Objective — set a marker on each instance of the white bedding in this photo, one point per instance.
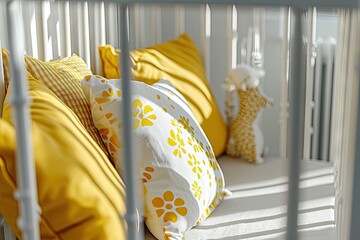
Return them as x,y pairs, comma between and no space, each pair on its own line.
257,207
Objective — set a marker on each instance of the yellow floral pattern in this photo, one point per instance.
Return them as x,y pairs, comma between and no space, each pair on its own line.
209,152
175,140
107,96
197,190
147,174
213,165
195,165
177,125
111,141
197,146
169,207
142,115
186,125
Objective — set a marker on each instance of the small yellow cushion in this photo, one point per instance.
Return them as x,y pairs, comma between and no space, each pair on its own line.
110,60
80,194
179,62
62,77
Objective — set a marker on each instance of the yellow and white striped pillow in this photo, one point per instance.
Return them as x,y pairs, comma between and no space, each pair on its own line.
63,78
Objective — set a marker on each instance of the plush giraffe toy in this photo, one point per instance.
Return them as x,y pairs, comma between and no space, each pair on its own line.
245,137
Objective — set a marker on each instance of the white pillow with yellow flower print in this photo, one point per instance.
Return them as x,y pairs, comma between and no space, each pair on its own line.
183,182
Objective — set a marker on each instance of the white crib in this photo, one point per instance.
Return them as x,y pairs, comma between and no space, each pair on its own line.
289,195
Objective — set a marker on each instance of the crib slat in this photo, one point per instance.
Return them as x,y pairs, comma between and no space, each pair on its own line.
74,30
45,22
2,81
179,19
39,51
193,26
129,165
244,20
8,234
96,34
28,17
156,24
296,124
25,172
205,37
141,38
3,21
54,29
64,20
110,23
284,85
84,41
218,45
355,208
310,59
349,70
168,23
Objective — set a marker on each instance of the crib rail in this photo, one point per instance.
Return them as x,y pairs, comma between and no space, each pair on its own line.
279,3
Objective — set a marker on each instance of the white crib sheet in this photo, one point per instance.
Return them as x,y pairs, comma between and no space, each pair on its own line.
257,207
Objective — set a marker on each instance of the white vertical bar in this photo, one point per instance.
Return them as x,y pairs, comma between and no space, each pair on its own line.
139,12
219,62
28,12
74,27
317,99
96,34
258,38
65,39
310,61
80,29
20,101
284,85
234,38
229,36
350,72
47,41
156,23
110,23
327,99
3,20
54,29
2,82
179,19
206,35
129,154
355,208
8,234
336,128
168,22
84,37
296,121
40,49
193,24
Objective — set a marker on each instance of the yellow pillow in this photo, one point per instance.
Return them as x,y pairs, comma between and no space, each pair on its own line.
110,60
6,68
179,62
63,78
80,194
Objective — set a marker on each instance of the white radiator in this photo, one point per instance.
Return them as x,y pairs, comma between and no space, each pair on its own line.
322,99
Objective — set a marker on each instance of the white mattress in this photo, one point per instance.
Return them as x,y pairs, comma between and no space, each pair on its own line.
257,207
